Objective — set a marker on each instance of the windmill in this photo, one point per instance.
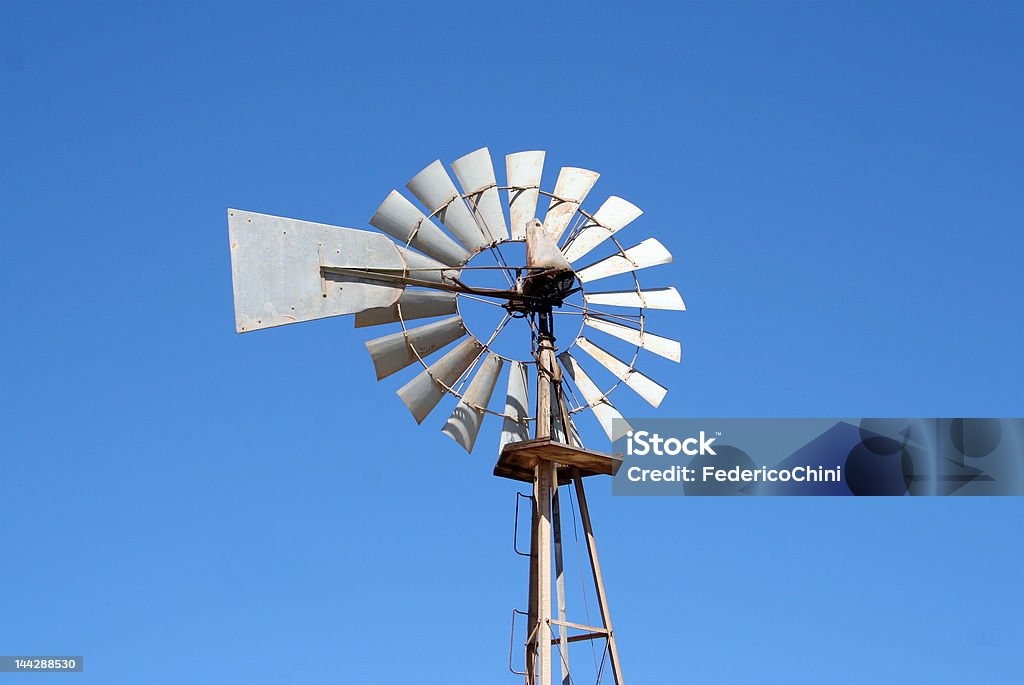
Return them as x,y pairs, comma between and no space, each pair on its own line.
419,276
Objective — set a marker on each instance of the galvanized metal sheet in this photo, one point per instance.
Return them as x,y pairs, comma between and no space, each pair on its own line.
658,298
602,408
463,425
475,172
423,392
516,426
541,251
570,190
415,304
275,268
641,384
436,190
614,215
669,349
394,352
400,219
648,253
523,170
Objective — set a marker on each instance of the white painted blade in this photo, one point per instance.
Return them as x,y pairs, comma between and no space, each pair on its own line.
641,384
276,277
436,190
614,215
516,426
570,190
523,170
463,425
401,220
669,349
415,304
394,352
659,298
648,253
602,408
475,172
423,392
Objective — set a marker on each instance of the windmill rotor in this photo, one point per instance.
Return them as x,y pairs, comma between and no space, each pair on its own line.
414,273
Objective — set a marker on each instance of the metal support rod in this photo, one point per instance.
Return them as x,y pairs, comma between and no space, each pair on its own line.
563,647
595,565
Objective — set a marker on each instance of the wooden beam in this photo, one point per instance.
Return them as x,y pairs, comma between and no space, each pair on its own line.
595,566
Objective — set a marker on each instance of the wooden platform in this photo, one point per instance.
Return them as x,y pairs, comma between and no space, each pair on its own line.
518,459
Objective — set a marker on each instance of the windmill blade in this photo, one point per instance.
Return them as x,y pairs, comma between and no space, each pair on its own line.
516,426
276,275
436,190
423,392
669,349
648,253
605,412
570,190
415,304
659,298
463,425
400,219
523,170
614,215
652,392
394,352
475,172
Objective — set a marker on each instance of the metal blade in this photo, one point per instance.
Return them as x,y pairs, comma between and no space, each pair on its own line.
423,392
669,349
612,217
516,426
644,386
602,408
415,304
648,253
400,219
394,352
659,298
570,190
436,190
523,170
275,270
475,172
463,425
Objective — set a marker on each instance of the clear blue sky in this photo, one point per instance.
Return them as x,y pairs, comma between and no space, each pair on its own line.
840,184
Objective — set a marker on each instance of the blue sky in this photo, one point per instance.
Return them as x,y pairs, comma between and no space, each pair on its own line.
839,182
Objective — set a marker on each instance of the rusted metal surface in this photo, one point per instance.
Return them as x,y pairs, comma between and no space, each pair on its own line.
523,170
571,189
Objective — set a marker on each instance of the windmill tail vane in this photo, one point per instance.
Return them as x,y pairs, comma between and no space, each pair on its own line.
415,273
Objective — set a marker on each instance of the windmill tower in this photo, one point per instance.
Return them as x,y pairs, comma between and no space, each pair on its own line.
286,271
